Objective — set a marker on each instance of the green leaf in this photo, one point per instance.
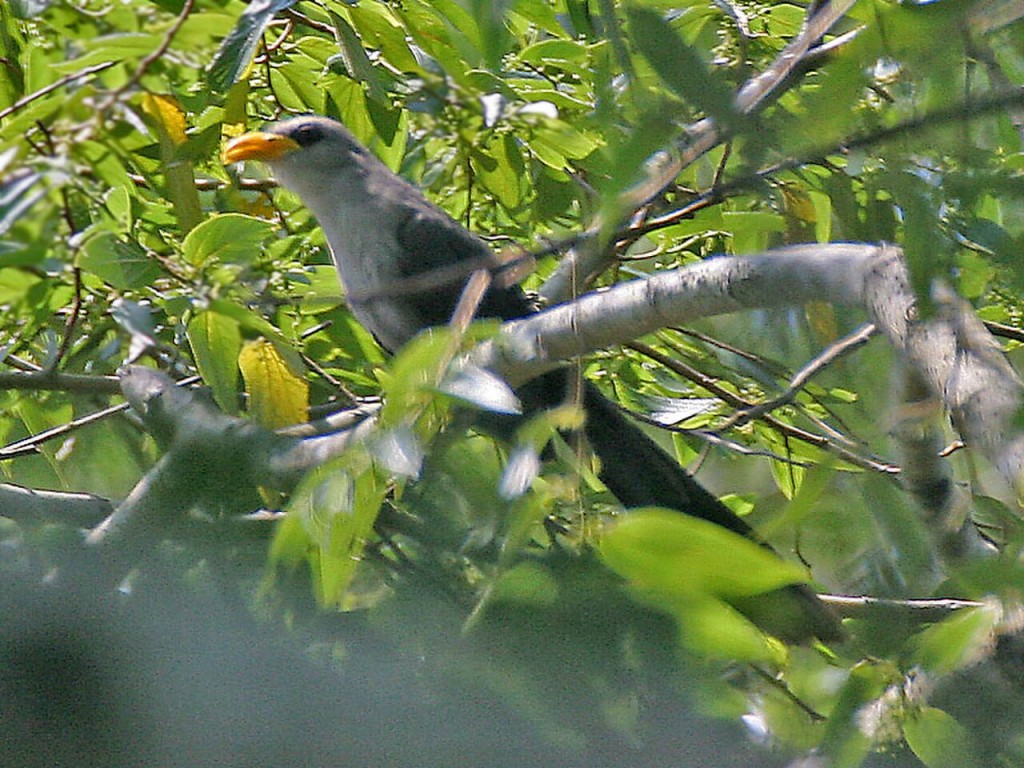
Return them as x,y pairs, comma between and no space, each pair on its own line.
216,341
499,167
120,263
676,555
356,63
813,486
300,80
116,47
446,32
679,66
957,641
15,284
554,142
337,505
381,31
714,629
491,21
788,476
246,318
567,55
239,46
847,740
231,238
939,740
383,129
974,274
628,157
526,583
751,231
416,373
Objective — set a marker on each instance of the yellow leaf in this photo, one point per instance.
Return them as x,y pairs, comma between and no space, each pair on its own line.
168,119
277,395
167,114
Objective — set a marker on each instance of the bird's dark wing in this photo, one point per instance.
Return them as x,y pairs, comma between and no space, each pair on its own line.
437,257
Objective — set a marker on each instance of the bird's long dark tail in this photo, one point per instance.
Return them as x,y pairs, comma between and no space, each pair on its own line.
640,474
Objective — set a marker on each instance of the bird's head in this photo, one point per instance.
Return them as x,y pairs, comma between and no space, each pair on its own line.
300,150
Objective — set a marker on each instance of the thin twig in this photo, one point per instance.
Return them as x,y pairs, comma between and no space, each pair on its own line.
988,104
55,85
30,445
787,430
926,610
1004,331
786,691
832,352
39,380
72,320
713,438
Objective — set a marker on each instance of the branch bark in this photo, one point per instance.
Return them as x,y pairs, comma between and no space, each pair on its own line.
31,505
211,460
952,352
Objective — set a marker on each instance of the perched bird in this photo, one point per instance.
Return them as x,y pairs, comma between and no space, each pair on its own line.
385,235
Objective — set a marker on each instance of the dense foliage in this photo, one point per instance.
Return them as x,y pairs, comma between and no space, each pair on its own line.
124,240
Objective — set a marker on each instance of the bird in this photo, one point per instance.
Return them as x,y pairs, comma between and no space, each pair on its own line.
383,234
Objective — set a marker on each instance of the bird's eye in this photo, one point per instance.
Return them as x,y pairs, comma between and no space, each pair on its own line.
307,135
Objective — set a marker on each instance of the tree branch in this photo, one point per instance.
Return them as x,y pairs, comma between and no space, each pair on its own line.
211,461
29,505
923,611
952,352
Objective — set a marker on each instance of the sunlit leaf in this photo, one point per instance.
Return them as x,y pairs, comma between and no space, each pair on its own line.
229,237
216,342
715,630
522,469
939,740
675,410
336,506
121,263
481,388
956,642
678,555
167,114
17,196
398,451
278,395
238,47
679,66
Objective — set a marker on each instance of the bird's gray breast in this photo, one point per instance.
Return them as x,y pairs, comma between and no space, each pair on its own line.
361,229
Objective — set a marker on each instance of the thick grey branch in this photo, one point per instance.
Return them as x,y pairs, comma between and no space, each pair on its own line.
786,277
31,505
952,352
211,460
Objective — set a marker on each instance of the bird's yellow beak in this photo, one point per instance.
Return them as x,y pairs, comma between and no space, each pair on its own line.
258,145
